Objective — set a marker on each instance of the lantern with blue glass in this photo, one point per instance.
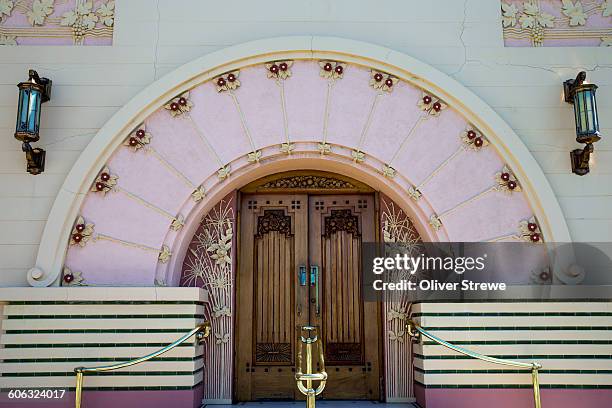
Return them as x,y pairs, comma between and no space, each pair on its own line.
582,96
32,94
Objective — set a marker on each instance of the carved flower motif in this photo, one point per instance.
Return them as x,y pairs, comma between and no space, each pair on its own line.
105,182
382,81
222,338
474,139
397,336
575,12
509,12
541,277
279,69
414,193
220,250
606,42
431,104
358,156
138,139
177,223
331,69
6,8
224,172
106,12
81,19
530,231
8,40
198,194
324,148
70,278
164,254
219,311
507,182
435,222
287,148
254,157
81,232
179,105
227,82
606,8
41,9
388,171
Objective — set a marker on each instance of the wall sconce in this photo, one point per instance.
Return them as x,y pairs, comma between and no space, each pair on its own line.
32,94
582,96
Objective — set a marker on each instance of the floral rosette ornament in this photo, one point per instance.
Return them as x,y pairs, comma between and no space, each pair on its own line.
435,222
179,105
138,139
324,148
228,81
541,277
358,156
530,231
279,69
224,172
382,82
105,182
164,254
507,182
431,104
331,69
70,278
81,232
474,139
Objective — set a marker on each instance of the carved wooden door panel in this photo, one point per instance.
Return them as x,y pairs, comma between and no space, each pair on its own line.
338,224
271,303
281,236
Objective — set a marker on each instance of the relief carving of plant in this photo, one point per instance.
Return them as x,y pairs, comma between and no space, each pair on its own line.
105,182
179,105
164,254
81,232
431,104
536,20
72,278
324,148
138,139
509,12
506,181
530,230
198,194
81,19
473,139
575,12
8,40
358,156
279,70
435,222
331,69
224,172
606,42
606,8
106,12
228,81
41,9
382,81
6,8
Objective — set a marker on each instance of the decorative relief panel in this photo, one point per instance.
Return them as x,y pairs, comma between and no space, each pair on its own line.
553,23
209,265
57,22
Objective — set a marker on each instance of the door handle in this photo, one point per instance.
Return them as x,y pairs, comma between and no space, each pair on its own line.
314,281
302,275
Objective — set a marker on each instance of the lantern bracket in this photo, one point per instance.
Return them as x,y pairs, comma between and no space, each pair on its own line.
45,83
580,159
569,86
35,158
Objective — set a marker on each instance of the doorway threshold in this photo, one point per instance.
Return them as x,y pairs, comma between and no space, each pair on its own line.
327,404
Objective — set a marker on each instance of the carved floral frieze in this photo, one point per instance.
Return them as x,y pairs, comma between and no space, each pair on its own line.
54,22
473,139
138,139
179,105
507,182
382,81
530,231
72,278
81,232
431,104
557,23
228,81
105,182
332,69
279,70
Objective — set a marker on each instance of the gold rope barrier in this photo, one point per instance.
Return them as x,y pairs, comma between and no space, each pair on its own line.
201,331
414,330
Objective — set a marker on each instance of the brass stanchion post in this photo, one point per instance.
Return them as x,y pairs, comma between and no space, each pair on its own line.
308,377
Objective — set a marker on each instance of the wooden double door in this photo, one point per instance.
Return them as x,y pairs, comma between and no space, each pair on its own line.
300,264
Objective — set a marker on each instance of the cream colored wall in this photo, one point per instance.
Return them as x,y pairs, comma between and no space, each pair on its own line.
153,37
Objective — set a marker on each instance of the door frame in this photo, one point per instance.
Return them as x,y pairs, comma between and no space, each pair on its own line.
267,185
